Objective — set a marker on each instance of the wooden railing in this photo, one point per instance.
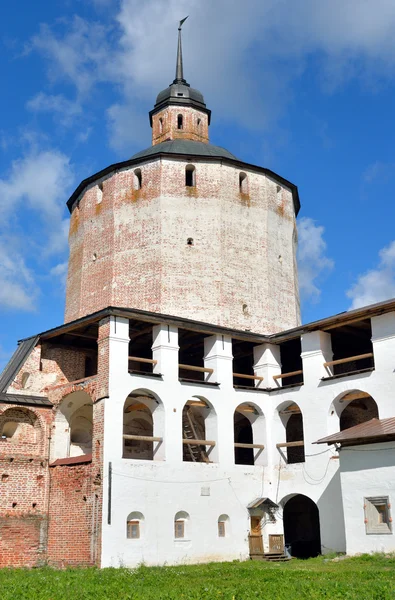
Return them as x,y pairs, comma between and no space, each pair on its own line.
149,361
194,442
239,445
142,438
198,369
242,376
290,444
340,361
290,374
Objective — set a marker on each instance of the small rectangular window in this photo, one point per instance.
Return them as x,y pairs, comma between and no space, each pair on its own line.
221,528
179,529
378,515
133,530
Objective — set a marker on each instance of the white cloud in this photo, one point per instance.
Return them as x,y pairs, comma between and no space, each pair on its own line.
377,284
313,264
37,184
18,290
65,109
60,271
348,38
39,180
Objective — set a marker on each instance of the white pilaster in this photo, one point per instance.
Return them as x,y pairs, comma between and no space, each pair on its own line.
218,356
383,340
118,348
267,363
316,350
165,351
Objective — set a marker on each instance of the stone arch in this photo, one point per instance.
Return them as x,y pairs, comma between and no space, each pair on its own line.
288,429
351,408
143,417
199,421
73,426
249,428
21,426
302,533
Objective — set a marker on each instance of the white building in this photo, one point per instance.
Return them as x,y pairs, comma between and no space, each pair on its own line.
173,417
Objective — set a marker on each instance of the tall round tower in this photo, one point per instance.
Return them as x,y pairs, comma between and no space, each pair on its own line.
184,228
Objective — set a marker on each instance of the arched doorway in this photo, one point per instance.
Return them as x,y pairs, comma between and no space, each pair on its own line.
302,527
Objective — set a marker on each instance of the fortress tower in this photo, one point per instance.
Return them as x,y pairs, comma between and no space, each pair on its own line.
185,228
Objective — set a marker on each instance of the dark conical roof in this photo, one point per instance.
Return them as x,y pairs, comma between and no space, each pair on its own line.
185,147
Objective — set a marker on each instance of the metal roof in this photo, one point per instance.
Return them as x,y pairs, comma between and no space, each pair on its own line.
18,358
188,147
72,460
25,399
368,432
260,501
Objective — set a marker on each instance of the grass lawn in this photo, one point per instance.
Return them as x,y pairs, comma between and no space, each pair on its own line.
362,578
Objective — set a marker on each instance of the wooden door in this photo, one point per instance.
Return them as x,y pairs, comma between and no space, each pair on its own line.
255,537
276,544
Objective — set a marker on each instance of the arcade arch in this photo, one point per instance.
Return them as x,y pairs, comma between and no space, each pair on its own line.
73,426
199,422
301,521
143,426
351,408
249,434
288,429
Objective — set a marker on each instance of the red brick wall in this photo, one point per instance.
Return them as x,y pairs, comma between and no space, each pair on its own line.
22,540
71,530
191,129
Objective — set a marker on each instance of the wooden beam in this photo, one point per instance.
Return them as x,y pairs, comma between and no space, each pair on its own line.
354,396
290,374
261,446
142,438
242,376
198,369
340,361
246,408
197,403
290,444
138,406
194,442
149,361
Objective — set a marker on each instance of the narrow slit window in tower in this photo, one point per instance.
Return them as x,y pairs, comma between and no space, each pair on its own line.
179,122
137,179
190,177
160,125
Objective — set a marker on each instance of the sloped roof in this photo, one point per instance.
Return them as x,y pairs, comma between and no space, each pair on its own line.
187,147
25,399
72,460
18,358
370,432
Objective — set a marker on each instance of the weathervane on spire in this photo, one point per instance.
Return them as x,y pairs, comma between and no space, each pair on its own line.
179,66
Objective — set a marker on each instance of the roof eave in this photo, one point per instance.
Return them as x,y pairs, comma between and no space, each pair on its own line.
74,198
180,102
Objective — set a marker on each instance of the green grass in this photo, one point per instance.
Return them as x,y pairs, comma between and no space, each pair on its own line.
362,578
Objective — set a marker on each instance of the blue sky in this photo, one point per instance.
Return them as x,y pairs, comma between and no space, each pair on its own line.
302,87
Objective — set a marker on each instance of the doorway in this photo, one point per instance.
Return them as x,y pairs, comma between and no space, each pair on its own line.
302,527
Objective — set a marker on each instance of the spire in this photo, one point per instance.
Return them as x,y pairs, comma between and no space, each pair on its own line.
179,66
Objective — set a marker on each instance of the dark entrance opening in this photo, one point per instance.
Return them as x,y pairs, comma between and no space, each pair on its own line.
243,435
302,527
358,411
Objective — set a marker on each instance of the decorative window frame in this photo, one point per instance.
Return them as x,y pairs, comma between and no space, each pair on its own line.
371,512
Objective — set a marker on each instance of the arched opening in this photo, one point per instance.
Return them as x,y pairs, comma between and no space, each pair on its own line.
351,408
73,426
358,411
138,179
199,425
190,176
302,527
180,122
289,424
134,525
181,525
143,426
249,435
243,183
20,426
160,125
25,379
223,526
99,193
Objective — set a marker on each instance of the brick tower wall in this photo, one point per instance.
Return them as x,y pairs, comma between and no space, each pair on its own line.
131,250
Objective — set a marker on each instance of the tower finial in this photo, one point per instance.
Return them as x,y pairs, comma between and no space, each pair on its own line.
179,66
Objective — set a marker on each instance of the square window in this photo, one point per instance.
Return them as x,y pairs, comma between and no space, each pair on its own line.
179,529
378,515
133,530
221,528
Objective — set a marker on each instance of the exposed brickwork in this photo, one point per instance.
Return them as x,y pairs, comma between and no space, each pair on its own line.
241,262
165,125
